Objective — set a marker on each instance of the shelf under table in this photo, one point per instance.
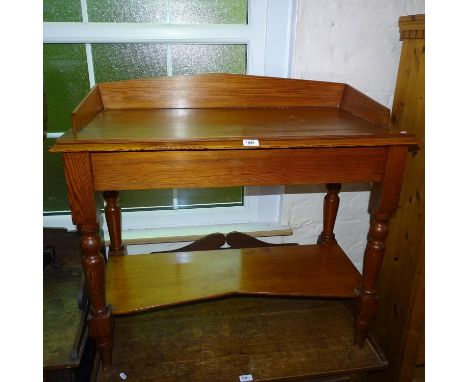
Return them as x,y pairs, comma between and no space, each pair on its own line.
141,282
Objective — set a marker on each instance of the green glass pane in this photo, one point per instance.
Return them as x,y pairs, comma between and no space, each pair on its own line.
142,199
62,10
66,82
210,197
208,11
190,58
127,11
114,62
54,189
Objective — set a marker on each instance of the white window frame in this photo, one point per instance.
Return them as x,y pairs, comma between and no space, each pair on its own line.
269,37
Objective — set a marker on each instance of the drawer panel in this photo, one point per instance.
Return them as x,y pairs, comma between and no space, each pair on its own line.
225,168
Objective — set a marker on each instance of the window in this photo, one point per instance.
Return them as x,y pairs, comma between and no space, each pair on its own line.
92,41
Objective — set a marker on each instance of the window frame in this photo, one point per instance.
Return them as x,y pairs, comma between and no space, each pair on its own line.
269,36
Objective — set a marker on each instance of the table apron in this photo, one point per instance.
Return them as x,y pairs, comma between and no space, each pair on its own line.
226,168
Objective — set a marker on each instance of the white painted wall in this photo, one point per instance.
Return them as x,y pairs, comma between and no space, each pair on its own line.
356,42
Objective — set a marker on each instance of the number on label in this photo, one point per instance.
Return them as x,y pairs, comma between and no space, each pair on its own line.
251,142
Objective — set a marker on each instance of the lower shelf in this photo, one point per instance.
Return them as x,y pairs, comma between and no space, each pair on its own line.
273,339
141,282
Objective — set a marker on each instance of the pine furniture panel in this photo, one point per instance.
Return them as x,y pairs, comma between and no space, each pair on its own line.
400,322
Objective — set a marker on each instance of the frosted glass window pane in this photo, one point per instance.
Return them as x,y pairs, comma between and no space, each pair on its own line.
210,197
188,59
62,10
208,11
66,82
127,11
114,62
54,189
146,198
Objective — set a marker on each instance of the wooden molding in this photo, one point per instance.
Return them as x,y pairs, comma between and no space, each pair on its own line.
87,109
412,27
218,90
362,106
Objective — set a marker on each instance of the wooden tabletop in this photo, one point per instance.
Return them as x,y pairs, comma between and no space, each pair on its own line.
220,111
228,127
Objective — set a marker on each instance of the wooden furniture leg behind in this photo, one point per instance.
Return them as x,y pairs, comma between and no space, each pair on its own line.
81,197
331,203
383,203
114,223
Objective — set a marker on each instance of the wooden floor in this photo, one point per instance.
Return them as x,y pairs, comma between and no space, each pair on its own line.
273,339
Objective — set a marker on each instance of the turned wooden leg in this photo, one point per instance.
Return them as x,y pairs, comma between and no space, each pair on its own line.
383,203
368,299
85,214
331,203
114,223
100,322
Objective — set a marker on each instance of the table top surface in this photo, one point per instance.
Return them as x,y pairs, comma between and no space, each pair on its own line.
220,111
227,128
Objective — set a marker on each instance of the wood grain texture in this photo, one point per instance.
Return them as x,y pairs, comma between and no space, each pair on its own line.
386,193
84,209
80,188
141,282
274,339
218,111
382,205
399,324
412,27
308,132
218,90
331,203
223,168
87,109
208,242
113,215
232,239
195,129
360,105
241,240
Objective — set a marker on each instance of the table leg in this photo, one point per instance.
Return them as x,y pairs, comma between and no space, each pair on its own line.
331,203
85,214
368,299
114,223
383,203
100,322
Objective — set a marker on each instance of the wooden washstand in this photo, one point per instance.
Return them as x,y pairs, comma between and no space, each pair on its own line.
191,132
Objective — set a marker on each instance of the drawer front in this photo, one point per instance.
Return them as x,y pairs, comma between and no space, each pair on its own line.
225,168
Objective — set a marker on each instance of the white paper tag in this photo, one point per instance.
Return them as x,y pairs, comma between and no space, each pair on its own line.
123,376
250,142
247,377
